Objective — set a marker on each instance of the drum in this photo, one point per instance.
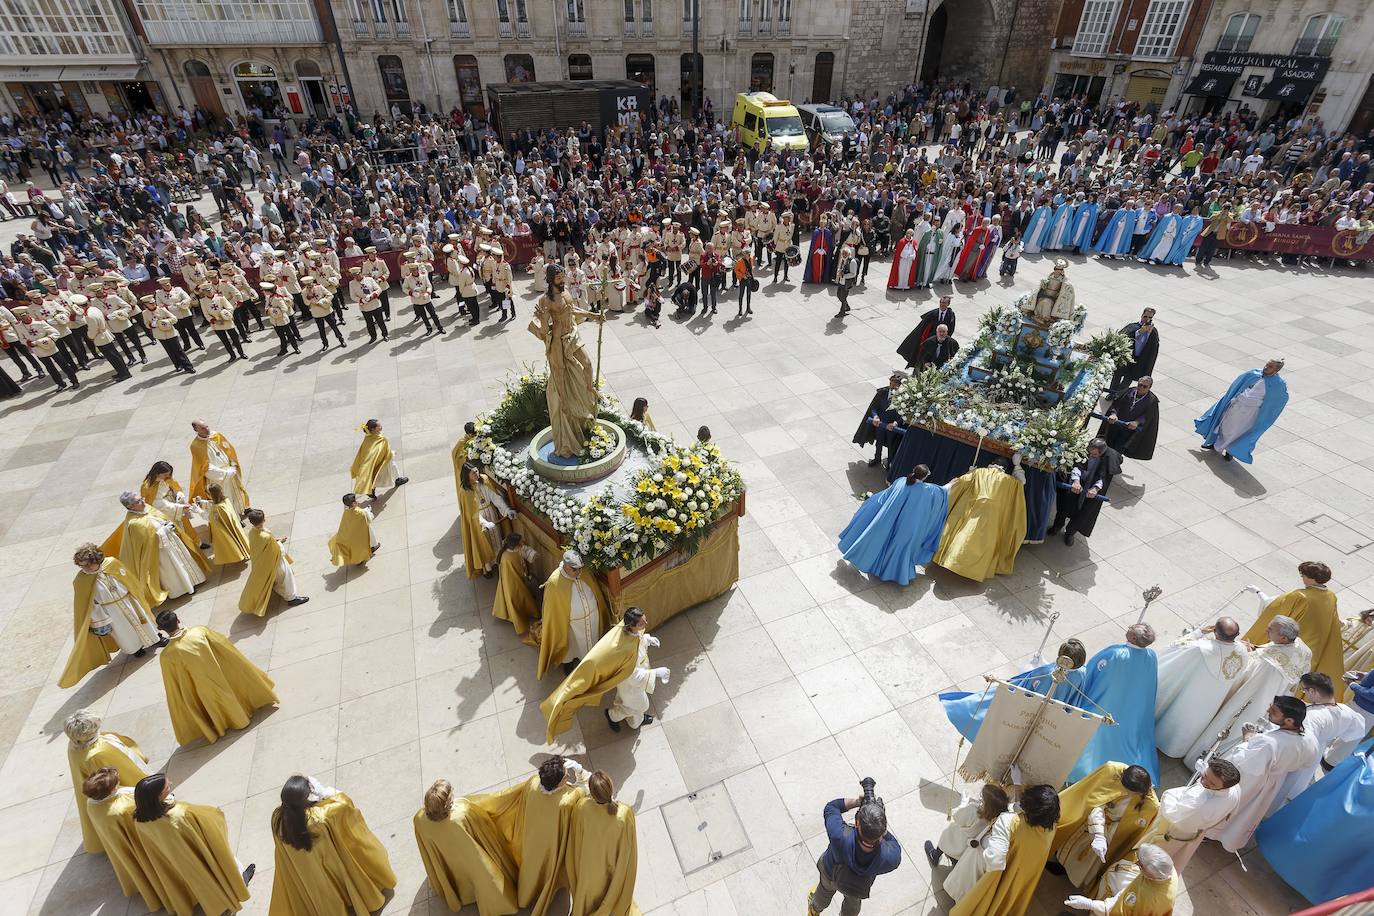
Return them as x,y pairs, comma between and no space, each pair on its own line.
689,265
727,264
793,257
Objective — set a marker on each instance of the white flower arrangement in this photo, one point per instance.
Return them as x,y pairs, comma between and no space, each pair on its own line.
1060,334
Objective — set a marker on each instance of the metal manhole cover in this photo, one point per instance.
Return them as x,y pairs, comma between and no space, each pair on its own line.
704,828
1341,535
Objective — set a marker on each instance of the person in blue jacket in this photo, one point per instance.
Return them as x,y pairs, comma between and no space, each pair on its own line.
856,855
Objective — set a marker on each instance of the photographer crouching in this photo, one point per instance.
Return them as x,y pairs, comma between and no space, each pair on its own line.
856,855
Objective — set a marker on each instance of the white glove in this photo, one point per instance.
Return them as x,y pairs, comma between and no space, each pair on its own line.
573,769
1253,588
1100,847
662,674
652,641
1078,903
486,525
1016,459
1015,775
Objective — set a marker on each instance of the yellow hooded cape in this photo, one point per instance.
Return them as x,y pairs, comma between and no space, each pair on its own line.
135,543
608,663
83,761
200,463
112,821
1146,897
373,455
477,552
264,553
185,530
211,686
1008,892
553,640
352,543
1320,624
346,865
88,650
188,851
985,525
460,457
1100,788
603,859
226,535
466,860
535,826
513,599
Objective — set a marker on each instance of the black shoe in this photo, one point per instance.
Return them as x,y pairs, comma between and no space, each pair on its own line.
648,720
296,350
615,726
933,854
438,330
1055,529
488,573
324,349
281,352
204,546
297,601
1068,538
1054,868
249,872
372,339
1226,456
140,653
876,460
570,665
162,642
402,480
1208,448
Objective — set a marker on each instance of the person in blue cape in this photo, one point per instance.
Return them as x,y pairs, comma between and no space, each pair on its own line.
1188,231
965,711
1162,239
898,529
1234,424
1084,226
1319,842
1033,239
1115,240
1122,680
1058,235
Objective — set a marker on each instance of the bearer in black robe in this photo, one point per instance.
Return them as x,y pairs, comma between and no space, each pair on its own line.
1081,489
910,349
937,350
1132,423
1144,340
881,424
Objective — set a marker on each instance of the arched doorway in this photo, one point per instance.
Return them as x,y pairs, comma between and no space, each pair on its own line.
469,85
820,80
579,66
259,89
640,68
956,45
312,84
761,73
394,83
691,98
203,88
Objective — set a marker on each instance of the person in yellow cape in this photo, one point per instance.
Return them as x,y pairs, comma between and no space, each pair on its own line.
1357,638
535,820
575,614
513,600
88,750
1014,851
1314,608
465,856
155,551
1103,817
374,465
1149,892
187,850
354,542
161,491
109,614
327,859
109,807
986,522
460,457
603,852
482,512
211,686
619,661
269,569
215,460
227,541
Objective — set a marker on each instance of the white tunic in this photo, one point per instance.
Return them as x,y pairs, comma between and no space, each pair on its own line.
1196,677
1239,415
584,620
1335,726
1186,813
906,267
169,503
991,856
964,829
112,607
284,582
219,469
632,694
1274,669
180,573
492,507
1264,762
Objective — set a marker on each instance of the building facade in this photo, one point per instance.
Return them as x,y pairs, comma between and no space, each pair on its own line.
805,50
1136,50
72,55
1298,57
233,57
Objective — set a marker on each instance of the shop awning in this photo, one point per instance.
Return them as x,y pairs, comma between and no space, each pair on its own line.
1289,89
55,74
30,74
111,72
1211,83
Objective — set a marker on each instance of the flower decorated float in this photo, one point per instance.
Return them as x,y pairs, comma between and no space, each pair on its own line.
657,522
1024,385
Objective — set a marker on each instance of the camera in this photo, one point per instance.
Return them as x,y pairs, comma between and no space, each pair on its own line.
868,783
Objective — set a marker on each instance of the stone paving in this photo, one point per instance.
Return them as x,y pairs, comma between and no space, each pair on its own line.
785,691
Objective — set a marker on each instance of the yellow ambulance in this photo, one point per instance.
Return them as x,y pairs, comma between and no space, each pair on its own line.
762,121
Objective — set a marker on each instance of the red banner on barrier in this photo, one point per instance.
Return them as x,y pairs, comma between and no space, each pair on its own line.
1311,241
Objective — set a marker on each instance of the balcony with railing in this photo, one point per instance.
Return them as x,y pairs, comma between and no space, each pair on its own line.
234,32
361,29
630,30
403,30
578,28
382,29
503,29
646,29
765,27
522,29
784,27
746,28
459,30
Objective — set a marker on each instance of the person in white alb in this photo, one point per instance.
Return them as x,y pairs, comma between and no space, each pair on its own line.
114,612
1196,676
1272,749
178,571
1335,728
1186,813
573,614
214,460
631,704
